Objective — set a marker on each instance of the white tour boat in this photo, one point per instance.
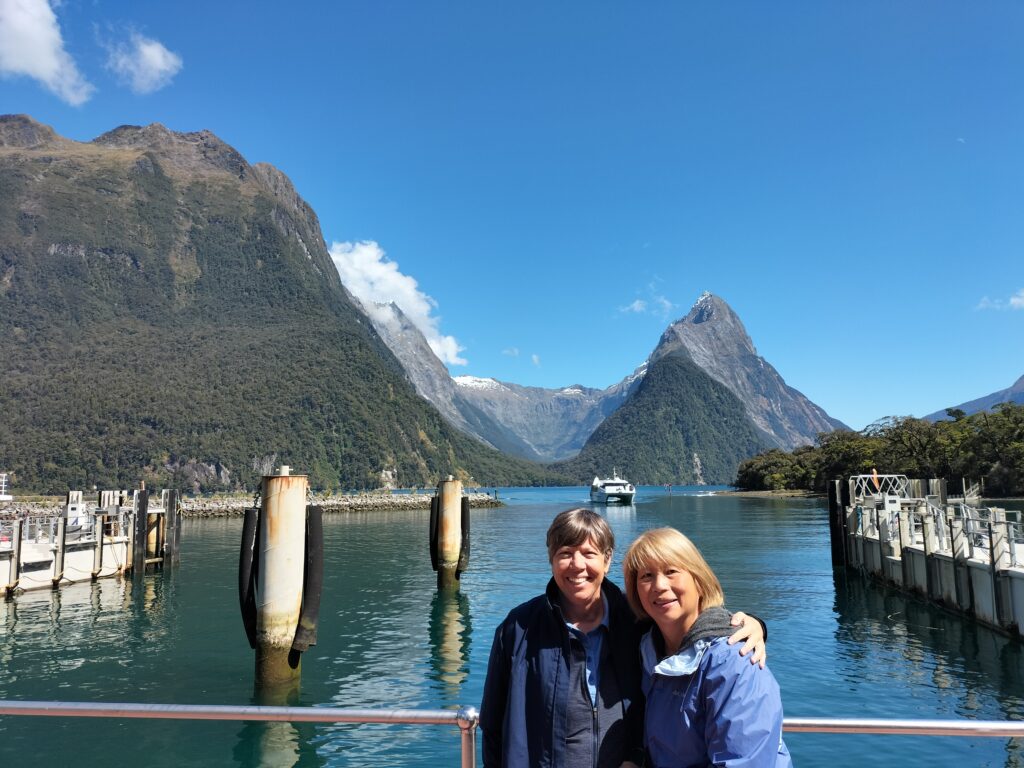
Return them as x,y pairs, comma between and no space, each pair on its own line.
612,489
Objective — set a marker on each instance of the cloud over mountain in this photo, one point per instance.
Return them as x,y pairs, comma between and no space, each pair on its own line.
143,64
374,279
31,45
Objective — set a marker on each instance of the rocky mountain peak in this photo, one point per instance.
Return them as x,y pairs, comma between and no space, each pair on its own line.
704,308
195,151
713,336
709,330
22,131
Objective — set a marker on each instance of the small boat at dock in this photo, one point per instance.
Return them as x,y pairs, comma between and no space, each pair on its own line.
611,490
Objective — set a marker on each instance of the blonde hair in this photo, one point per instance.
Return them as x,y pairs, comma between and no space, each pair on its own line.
667,547
574,526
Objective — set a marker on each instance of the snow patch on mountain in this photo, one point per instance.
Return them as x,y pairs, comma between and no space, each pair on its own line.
475,382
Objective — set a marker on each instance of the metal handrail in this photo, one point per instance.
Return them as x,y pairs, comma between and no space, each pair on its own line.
904,727
467,719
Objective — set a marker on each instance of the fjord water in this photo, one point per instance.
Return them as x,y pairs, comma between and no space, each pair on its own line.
839,648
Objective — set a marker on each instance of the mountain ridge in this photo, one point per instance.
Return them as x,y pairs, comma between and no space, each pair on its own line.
169,311
1012,394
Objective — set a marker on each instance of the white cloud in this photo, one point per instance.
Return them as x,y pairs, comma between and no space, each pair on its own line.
1014,302
371,277
31,45
511,351
142,63
655,304
536,359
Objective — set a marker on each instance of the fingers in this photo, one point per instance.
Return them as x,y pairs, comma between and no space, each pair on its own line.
759,657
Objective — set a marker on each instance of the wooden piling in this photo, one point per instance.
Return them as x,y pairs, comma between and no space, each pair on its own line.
140,533
172,512
17,532
836,529
97,552
60,540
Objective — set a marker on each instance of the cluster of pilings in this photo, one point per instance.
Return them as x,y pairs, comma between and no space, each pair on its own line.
952,551
280,574
121,532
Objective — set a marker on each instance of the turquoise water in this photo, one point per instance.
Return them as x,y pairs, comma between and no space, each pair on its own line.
839,648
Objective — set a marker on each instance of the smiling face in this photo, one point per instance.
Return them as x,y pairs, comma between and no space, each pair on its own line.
578,572
670,596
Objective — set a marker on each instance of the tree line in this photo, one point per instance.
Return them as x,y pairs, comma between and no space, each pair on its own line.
986,446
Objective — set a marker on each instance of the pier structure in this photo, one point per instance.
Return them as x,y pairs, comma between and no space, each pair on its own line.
121,532
952,551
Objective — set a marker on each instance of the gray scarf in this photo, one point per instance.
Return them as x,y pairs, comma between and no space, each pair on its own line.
710,623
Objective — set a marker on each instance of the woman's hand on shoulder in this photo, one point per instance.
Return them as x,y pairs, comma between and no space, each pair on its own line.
752,633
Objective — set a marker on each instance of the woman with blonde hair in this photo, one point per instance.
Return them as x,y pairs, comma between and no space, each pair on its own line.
705,706
563,679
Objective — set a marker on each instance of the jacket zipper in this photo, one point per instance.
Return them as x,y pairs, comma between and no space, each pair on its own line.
595,734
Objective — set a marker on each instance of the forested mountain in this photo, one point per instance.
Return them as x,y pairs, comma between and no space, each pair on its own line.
680,426
169,312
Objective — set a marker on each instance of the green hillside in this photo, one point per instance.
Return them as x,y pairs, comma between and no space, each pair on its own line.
677,412
170,313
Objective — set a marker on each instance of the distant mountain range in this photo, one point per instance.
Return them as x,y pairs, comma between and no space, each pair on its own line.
579,427
169,312
1012,394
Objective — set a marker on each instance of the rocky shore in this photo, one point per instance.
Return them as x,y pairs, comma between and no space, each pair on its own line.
235,506
361,502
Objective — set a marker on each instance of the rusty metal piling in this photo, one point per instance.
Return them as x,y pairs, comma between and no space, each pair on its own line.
448,543
281,549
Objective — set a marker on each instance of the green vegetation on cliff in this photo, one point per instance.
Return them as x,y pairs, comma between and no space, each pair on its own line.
986,445
170,313
680,426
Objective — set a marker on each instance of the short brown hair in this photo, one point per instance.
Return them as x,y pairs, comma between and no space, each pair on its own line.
574,526
668,547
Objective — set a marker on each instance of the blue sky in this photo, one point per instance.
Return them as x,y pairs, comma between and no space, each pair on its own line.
547,185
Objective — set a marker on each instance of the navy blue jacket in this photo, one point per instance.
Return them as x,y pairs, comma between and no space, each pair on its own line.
535,688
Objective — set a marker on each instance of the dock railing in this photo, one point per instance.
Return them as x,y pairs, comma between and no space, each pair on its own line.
467,719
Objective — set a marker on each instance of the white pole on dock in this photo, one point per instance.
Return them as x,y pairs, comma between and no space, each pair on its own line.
281,549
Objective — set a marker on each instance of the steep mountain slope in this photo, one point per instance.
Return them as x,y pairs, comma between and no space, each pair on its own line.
680,426
715,339
530,422
1012,394
550,424
170,312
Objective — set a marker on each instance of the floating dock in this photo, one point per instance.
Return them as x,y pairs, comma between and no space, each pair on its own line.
122,532
952,551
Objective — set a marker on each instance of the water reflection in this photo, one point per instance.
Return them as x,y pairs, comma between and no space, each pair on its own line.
947,653
450,629
617,513
276,745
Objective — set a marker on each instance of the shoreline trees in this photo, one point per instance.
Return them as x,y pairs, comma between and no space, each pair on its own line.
986,446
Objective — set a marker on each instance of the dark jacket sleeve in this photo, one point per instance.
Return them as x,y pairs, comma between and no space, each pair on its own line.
634,720
492,708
